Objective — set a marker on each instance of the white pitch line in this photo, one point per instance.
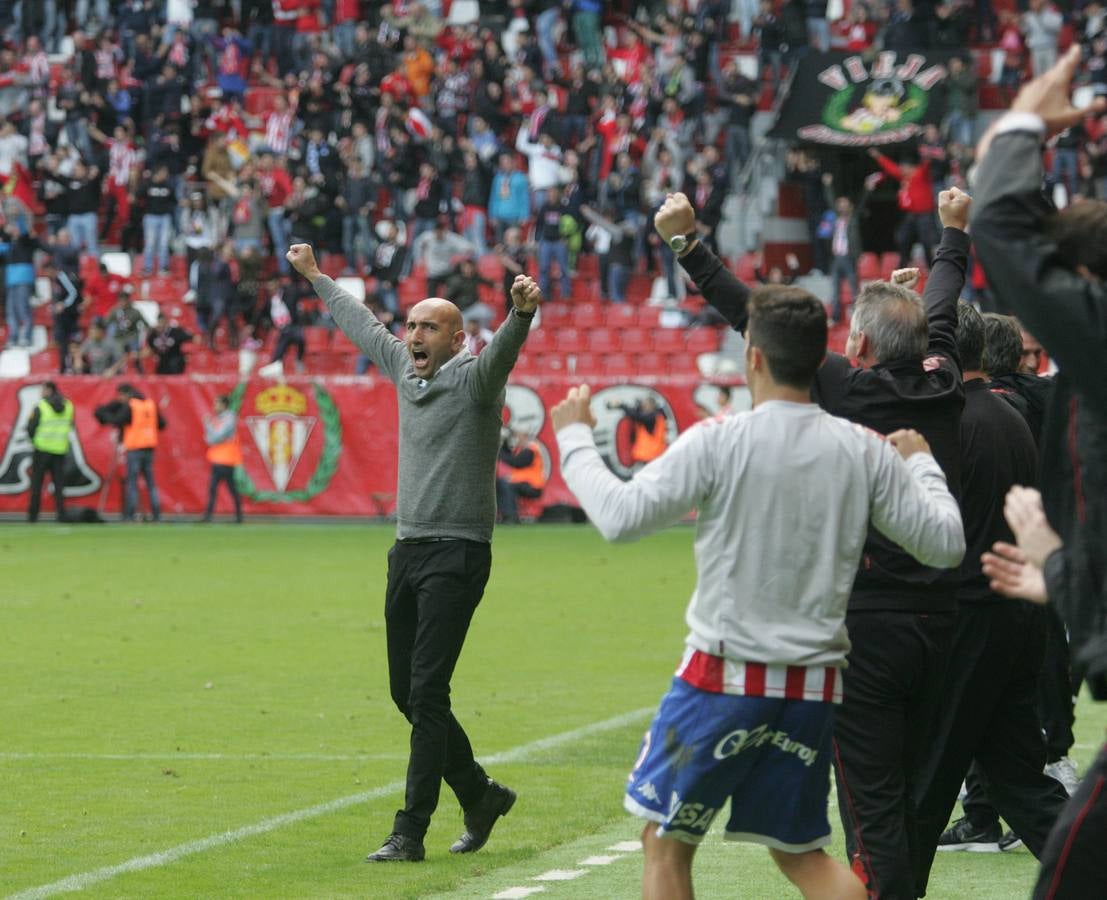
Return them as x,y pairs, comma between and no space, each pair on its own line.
598,860
517,893
166,857
626,846
560,875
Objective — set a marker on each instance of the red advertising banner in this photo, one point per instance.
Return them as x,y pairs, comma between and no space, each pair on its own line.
311,446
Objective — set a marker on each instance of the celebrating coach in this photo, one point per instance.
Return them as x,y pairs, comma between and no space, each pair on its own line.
451,406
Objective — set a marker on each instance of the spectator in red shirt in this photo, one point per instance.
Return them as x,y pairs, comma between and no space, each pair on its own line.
916,202
275,186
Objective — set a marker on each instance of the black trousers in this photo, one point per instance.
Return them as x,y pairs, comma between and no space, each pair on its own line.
915,228
1074,862
41,463
433,591
989,712
892,689
226,475
1056,710
1057,690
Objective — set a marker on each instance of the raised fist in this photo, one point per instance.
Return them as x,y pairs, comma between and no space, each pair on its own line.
676,216
525,294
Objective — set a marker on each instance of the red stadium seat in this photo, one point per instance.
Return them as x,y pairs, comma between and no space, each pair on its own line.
649,316
527,363
652,364
618,364
868,267
584,364
571,340
636,340
555,314
703,340
620,315
587,315
540,340
601,340
681,363
550,364
669,340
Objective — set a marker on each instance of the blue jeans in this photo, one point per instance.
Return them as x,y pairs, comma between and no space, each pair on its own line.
140,461
586,27
344,38
279,235
544,24
356,233
548,253
20,322
261,39
155,239
475,231
818,34
959,128
82,230
618,277
841,267
1066,169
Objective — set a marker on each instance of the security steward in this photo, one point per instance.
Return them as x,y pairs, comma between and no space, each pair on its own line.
139,421
224,453
49,428
522,473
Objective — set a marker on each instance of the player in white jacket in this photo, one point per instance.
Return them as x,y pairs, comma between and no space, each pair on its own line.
785,494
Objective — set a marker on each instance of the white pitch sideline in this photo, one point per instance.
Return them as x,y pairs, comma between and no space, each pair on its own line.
166,857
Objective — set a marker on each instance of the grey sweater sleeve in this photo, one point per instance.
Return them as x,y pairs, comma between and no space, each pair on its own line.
488,375
363,328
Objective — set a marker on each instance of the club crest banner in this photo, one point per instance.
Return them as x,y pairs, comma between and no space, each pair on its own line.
861,100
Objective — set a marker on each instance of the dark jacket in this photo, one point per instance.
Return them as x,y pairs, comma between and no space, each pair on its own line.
997,452
1029,394
1068,314
905,393
118,413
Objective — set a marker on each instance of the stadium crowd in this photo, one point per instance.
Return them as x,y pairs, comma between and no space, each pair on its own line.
519,134
400,141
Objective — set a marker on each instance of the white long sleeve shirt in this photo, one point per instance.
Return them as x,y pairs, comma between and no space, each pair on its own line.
785,494
543,164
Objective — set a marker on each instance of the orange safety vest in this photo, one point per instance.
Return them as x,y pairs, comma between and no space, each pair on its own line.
228,453
648,445
142,433
534,474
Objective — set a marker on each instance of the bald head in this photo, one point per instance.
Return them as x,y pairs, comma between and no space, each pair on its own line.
441,310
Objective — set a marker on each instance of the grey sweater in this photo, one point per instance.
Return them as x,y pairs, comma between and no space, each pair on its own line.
449,424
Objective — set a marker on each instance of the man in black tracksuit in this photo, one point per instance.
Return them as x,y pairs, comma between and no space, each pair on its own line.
1049,271
901,615
989,709
1028,394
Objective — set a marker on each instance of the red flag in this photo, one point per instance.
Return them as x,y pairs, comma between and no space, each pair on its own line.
17,184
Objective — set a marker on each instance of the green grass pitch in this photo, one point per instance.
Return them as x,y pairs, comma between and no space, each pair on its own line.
204,712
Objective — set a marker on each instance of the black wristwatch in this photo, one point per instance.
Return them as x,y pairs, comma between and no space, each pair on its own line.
525,316
680,242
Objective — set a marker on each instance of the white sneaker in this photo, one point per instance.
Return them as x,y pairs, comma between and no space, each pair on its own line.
1064,771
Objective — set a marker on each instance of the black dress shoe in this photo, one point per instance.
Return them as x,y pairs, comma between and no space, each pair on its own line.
496,802
399,848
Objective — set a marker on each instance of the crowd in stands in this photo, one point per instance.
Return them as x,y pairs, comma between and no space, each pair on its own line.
449,141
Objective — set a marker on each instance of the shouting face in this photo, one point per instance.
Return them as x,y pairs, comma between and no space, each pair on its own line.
434,335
